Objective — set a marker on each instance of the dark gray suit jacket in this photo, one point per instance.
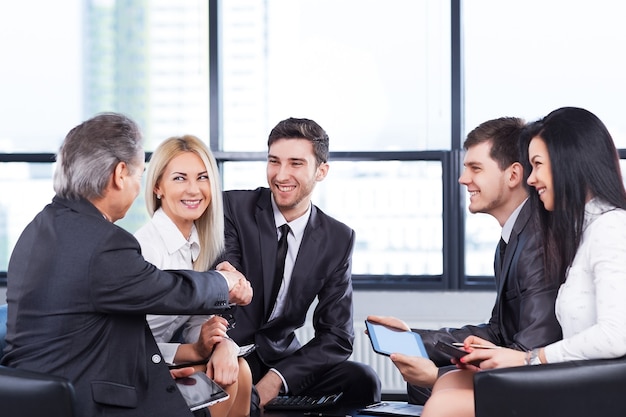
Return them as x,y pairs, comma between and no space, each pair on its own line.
78,292
322,269
523,315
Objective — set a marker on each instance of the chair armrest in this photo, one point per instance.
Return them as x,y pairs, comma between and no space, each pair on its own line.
572,389
27,393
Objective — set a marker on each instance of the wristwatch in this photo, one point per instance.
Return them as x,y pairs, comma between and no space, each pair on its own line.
532,357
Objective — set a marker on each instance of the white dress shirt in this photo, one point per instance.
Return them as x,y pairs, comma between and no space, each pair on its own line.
590,305
163,245
507,229
294,239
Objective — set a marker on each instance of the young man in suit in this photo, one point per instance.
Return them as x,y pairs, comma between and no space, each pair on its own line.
523,315
317,264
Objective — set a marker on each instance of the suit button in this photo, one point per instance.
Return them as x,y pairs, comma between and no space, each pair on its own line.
156,358
170,388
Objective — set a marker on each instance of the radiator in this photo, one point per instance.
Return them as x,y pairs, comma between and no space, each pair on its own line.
390,378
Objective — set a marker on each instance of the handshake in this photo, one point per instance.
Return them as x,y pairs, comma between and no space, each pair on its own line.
239,288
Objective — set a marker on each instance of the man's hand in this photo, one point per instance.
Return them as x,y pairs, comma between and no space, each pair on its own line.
415,370
239,288
268,387
389,322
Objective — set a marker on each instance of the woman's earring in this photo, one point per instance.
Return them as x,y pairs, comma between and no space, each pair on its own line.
158,196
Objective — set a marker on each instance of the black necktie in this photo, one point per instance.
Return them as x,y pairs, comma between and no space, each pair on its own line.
502,247
281,253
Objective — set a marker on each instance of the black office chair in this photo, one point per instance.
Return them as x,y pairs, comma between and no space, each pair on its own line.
573,389
32,394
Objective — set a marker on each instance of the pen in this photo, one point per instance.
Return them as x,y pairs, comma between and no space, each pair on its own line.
311,414
476,346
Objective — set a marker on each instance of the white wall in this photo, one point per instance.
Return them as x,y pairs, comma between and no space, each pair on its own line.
426,309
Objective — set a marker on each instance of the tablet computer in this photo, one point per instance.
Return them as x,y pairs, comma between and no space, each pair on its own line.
199,391
387,340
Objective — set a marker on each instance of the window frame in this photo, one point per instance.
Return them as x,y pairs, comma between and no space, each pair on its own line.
453,275
454,211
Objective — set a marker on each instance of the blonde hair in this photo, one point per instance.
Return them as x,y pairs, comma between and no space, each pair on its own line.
210,224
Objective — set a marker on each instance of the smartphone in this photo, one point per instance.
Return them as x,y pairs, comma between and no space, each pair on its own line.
453,351
387,340
200,391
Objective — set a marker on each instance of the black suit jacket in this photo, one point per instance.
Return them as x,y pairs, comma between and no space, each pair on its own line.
523,315
322,269
78,292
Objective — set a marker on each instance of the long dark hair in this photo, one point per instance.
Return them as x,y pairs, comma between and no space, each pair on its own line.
584,163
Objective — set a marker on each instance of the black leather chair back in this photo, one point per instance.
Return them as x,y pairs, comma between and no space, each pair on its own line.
570,389
31,394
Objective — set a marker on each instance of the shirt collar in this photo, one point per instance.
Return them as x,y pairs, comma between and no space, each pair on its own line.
508,225
172,237
297,226
594,208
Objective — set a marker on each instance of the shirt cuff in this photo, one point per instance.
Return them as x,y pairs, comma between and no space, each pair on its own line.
168,351
223,276
285,387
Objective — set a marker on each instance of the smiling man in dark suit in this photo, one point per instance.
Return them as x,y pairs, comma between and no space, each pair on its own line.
317,264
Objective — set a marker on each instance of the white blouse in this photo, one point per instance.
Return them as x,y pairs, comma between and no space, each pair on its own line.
163,245
590,305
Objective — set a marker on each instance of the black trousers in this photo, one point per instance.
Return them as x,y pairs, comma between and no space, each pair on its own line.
358,382
417,395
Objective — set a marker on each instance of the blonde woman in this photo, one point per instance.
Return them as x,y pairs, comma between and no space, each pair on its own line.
186,231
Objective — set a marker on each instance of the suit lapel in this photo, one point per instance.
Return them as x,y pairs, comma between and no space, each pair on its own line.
309,248
511,248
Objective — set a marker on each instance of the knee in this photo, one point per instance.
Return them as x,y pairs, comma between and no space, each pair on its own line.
245,374
365,378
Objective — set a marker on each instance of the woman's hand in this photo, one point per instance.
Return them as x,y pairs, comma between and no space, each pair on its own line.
490,356
182,372
213,331
223,366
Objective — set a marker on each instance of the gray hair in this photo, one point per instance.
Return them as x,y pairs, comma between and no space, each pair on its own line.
91,151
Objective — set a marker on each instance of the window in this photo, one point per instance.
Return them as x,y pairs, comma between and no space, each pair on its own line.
396,84
371,98
398,230
528,58
145,59
376,78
